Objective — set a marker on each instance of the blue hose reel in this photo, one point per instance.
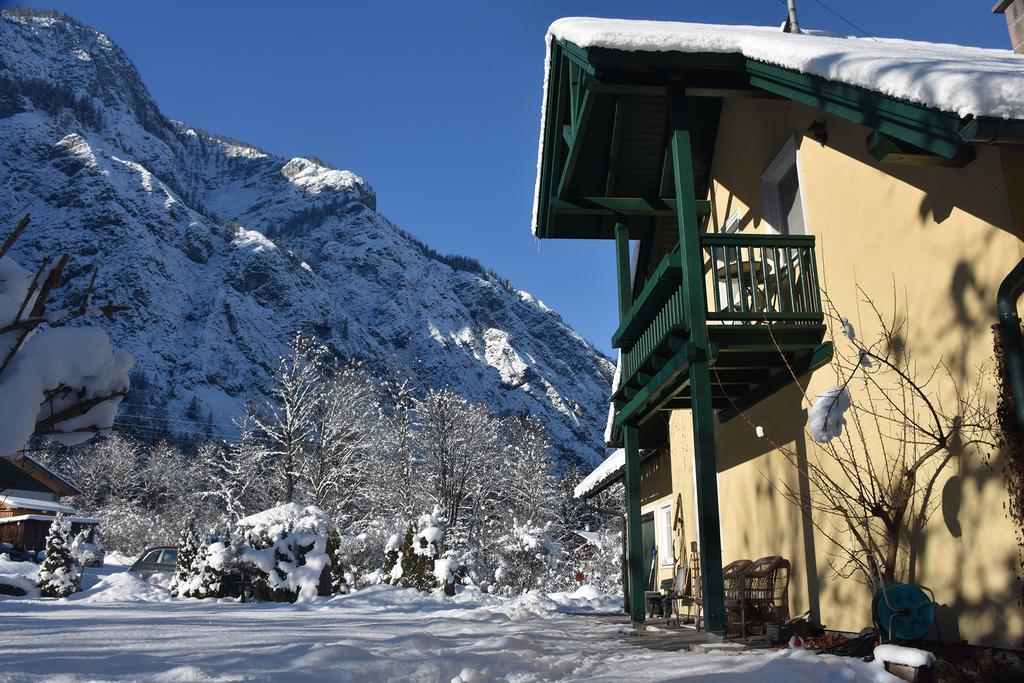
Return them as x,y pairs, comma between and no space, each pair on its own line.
903,612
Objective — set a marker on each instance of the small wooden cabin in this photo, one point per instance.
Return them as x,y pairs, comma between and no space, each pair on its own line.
30,494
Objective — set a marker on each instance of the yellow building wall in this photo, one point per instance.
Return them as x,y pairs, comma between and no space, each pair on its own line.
656,491
942,239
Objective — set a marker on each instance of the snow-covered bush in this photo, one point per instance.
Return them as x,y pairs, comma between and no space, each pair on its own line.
58,575
527,557
88,553
286,549
60,382
412,559
599,559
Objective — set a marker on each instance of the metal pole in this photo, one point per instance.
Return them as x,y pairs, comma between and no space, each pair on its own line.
793,26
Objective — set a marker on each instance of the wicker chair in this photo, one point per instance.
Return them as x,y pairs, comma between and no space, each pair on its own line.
763,597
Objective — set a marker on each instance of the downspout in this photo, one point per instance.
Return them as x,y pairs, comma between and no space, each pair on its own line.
1010,291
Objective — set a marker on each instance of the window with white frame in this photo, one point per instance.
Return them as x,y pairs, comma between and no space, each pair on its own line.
663,525
783,195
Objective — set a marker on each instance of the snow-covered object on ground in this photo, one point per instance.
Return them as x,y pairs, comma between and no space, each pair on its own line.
825,418
381,633
227,250
906,656
611,465
953,78
283,518
18,575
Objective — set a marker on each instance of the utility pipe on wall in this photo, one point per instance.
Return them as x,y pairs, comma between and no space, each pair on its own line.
1010,291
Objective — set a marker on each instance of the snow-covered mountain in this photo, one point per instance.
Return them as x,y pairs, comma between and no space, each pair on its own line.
222,251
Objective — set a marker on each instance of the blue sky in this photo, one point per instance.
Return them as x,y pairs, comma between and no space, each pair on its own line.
436,104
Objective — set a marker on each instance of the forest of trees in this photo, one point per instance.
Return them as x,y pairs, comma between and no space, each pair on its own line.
375,456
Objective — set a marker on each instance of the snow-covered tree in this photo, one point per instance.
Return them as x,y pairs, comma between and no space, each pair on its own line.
291,420
527,556
58,575
338,459
392,486
459,444
64,383
339,577
189,546
210,568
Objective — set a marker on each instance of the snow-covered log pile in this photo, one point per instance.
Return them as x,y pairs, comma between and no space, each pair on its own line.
56,381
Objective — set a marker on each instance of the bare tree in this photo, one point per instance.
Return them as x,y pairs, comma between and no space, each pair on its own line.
334,467
459,445
885,433
296,396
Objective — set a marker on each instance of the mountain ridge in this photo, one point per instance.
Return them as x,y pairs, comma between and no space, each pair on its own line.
223,250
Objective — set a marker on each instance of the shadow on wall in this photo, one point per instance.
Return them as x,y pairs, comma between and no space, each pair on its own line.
783,417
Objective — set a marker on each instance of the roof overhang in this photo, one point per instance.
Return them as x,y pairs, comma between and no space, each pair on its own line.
603,150
56,483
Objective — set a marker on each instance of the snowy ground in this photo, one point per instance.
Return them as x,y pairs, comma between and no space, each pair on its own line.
119,628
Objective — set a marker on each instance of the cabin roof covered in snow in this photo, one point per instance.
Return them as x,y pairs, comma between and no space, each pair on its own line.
22,503
602,475
953,78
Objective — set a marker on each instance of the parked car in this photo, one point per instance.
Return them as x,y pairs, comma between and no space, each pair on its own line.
17,554
158,560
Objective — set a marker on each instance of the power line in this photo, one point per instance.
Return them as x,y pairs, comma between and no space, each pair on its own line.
840,17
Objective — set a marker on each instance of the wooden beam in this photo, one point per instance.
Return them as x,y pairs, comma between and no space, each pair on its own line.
581,108
703,410
630,206
891,151
782,378
732,93
929,129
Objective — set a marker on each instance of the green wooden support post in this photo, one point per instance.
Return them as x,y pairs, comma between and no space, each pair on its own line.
705,461
637,578
631,442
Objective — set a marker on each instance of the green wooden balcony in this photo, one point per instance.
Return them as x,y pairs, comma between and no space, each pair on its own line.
764,322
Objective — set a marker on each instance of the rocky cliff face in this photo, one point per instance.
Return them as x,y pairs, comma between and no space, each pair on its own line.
222,251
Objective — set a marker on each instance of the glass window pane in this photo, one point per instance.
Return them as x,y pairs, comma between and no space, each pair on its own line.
666,549
788,189
152,556
169,557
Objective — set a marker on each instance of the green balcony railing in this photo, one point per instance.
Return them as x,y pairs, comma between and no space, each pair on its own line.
749,280
761,279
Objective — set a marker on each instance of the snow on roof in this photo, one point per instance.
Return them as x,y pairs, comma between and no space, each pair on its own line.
22,503
283,518
50,518
953,78
611,466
